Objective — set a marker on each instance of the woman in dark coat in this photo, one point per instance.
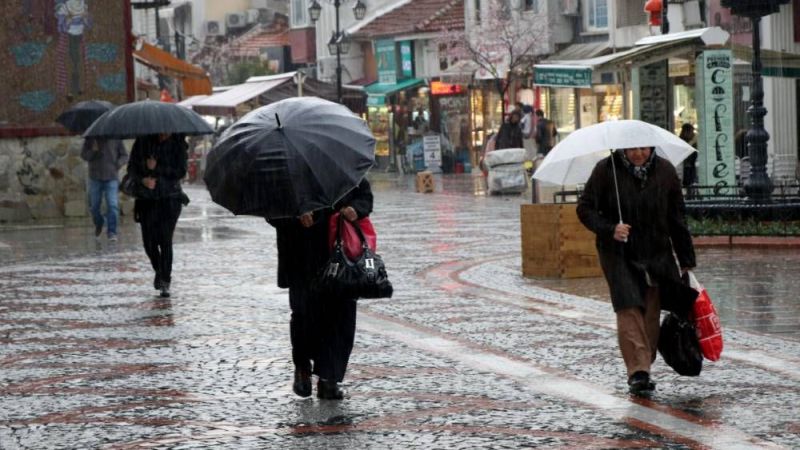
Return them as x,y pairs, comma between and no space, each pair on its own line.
157,165
637,256
323,326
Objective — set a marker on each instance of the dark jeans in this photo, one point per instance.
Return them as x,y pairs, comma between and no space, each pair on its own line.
322,330
157,219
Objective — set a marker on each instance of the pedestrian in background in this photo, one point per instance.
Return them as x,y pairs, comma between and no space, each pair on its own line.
545,133
689,164
157,165
510,134
105,158
323,325
637,251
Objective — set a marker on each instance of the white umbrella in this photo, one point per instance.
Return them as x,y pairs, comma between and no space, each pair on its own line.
574,158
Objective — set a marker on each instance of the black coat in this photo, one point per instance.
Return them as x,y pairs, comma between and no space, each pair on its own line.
171,164
655,212
509,136
302,252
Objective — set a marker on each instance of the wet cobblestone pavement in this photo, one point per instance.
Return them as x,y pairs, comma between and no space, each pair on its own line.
468,354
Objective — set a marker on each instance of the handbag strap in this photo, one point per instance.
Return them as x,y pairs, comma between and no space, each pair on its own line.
357,227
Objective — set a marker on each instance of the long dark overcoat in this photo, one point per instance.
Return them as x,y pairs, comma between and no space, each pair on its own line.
655,211
302,252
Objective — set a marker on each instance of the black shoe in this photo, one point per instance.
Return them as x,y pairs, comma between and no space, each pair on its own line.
165,289
302,383
157,283
329,390
98,230
639,383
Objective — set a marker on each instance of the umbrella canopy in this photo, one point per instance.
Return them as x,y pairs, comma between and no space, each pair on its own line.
574,158
289,157
148,117
82,115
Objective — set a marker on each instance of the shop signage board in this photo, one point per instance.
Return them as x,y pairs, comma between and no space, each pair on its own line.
385,58
651,83
562,76
715,113
432,147
406,60
376,100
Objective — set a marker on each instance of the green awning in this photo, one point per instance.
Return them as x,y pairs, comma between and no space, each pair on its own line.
387,89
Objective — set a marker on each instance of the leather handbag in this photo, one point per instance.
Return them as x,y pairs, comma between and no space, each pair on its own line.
127,186
364,277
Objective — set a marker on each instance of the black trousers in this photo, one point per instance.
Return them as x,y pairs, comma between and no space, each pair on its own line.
157,219
322,330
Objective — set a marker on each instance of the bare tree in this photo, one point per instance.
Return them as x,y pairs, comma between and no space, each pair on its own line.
504,41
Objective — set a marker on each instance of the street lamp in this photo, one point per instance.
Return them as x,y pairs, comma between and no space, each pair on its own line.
338,44
758,186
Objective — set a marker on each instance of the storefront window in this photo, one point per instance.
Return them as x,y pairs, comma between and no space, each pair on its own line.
562,107
379,117
685,111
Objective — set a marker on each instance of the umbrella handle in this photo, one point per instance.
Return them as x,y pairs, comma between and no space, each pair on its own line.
616,190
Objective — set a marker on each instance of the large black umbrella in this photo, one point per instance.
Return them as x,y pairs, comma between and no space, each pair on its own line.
289,157
148,117
82,115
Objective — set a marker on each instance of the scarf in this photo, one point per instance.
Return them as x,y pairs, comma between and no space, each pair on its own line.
638,172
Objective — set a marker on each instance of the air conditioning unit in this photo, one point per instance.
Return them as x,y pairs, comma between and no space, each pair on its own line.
252,16
214,28
235,20
570,7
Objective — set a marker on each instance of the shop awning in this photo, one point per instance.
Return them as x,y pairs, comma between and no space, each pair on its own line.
579,73
188,102
387,89
580,51
775,63
195,79
226,103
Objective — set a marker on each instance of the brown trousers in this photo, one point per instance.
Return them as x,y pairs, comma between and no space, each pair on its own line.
637,332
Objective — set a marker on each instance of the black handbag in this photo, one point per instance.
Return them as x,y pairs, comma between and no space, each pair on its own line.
678,345
363,278
127,186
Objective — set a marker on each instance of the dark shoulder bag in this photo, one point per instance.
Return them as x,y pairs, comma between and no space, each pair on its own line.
128,186
364,278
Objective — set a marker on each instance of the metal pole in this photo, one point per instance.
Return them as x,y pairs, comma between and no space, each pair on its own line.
758,186
336,4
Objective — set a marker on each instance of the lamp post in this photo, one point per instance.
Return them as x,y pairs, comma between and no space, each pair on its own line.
339,44
758,187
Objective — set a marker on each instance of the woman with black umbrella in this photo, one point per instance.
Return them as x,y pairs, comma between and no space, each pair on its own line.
157,164
323,325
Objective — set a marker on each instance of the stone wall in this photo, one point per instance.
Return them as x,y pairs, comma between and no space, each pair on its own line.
43,178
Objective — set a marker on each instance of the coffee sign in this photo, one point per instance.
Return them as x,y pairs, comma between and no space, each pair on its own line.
715,111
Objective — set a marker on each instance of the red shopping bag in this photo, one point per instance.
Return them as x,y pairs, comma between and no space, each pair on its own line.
706,322
351,242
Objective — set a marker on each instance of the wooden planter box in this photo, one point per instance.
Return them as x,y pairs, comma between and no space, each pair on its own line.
555,244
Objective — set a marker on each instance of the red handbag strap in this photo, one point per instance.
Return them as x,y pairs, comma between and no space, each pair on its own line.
339,224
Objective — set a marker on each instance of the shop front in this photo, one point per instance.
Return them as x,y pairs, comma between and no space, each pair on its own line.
485,115
391,109
450,117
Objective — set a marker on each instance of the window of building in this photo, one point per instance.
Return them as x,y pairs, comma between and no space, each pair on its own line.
477,11
531,5
299,13
596,14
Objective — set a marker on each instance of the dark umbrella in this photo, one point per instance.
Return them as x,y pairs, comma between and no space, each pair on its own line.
82,115
289,157
148,117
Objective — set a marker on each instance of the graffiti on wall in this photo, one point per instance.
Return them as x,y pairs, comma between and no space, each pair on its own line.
60,52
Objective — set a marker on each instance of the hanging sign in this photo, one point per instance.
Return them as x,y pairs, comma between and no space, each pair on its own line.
385,59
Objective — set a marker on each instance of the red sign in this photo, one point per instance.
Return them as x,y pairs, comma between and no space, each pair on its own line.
439,88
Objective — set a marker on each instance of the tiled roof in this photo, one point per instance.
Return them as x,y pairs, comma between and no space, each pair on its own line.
251,43
416,16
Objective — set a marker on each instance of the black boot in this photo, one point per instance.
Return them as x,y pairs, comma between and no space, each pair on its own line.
329,390
157,283
165,289
302,382
639,383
